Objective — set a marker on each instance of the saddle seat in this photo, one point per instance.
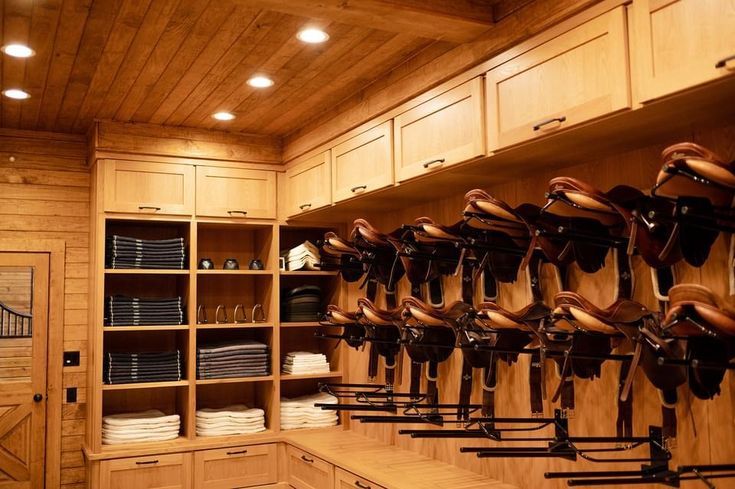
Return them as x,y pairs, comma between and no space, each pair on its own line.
697,160
338,246
337,315
600,320
369,233
377,316
432,316
492,315
432,232
712,309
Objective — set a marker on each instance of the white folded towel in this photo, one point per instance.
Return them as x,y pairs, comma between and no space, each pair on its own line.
150,417
235,411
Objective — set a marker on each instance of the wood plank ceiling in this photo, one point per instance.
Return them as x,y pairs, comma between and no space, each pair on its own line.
176,62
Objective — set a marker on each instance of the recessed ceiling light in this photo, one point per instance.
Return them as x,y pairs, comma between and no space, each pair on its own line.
223,116
16,94
313,36
260,82
18,51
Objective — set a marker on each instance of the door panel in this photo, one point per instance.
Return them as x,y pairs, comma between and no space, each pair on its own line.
231,192
24,286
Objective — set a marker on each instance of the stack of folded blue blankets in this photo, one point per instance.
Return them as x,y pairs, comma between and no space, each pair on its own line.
242,358
121,310
131,368
126,252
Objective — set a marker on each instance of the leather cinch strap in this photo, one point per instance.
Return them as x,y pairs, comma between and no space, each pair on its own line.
624,423
372,294
465,391
535,380
417,369
432,390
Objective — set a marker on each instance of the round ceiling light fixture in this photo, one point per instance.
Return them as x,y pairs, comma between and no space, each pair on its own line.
223,116
18,50
16,94
312,36
260,82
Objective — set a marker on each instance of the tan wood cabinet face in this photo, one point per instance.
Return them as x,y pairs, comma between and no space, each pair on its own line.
236,467
348,480
154,472
575,77
230,192
309,185
152,188
681,43
441,132
363,164
308,472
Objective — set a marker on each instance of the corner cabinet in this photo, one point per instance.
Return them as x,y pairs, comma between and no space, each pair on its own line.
363,163
440,132
681,43
232,192
308,185
576,77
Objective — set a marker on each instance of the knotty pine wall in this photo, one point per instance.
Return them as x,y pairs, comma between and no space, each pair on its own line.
706,428
44,194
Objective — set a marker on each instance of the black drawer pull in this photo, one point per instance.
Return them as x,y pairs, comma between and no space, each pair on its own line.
307,459
359,187
304,206
149,462
148,208
723,62
244,213
541,124
239,452
361,485
433,162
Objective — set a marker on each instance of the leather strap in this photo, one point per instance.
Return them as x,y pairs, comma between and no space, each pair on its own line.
372,290
372,294
668,417
535,382
432,391
534,277
567,395
489,286
465,391
625,275
468,285
391,301
435,293
417,370
489,383
624,423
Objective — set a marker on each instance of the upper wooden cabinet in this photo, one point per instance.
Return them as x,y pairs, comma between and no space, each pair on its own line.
577,76
445,130
363,163
681,43
231,192
142,187
309,185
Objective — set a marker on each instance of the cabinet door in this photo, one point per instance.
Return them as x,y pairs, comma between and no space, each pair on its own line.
231,192
573,78
308,472
309,185
142,187
154,472
681,43
445,130
236,467
363,163
348,480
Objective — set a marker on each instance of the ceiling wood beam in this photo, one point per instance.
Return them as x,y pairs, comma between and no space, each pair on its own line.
458,21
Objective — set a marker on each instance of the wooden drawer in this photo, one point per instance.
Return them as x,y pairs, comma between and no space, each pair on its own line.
306,471
231,192
236,467
154,472
678,44
441,132
348,480
363,163
152,188
573,78
309,185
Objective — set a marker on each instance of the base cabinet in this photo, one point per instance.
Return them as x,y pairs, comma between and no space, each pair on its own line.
226,468
306,471
154,472
348,480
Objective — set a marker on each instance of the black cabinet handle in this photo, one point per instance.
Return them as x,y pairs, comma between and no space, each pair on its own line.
304,206
149,462
148,208
723,62
244,213
37,397
433,162
239,452
359,187
541,124
307,459
361,485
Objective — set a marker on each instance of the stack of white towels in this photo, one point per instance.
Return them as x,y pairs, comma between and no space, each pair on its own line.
304,362
237,419
300,412
145,426
303,257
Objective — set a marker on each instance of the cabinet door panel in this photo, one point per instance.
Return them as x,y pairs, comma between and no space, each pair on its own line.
154,472
236,467
306,471
575,77
363,163
230,192
681,43
142,187
309,185
348,480
441,132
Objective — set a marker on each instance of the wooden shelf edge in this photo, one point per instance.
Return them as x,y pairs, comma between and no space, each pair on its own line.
267,273
234,326
118,329
308,324
144,271
144,385
235,380
287,377
313,273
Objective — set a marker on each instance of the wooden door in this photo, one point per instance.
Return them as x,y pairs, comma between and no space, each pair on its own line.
678,44
309,185
231,192
348,480
306,471
24,288
441,132
363,164
576,77
254,465
154,472
148,188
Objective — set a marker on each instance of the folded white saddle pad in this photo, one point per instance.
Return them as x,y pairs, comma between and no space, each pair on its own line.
228,432
230,423
141,429
234,411
110,439
150,417
310,400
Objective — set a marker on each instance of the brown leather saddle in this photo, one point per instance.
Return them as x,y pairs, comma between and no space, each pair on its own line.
340,255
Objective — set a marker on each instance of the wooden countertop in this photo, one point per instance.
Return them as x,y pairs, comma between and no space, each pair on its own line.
386,465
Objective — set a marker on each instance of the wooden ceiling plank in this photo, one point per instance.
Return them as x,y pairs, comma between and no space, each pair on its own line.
128,21
174,45
458,22
157,18
240,21
2,36
16,29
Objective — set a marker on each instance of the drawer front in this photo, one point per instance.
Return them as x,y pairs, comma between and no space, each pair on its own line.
236,467
681,43
150,188
308,472
441,132
309,185
230,192
348,480
154,472
573,78
363,163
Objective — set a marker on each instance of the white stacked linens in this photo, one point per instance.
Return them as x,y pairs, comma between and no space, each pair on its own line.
145,426
303,257
237,419
300,412
304,362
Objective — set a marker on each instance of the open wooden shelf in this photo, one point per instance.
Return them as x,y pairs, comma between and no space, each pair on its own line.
234,380
235,272
297,324
234,325
307,273
144,385
145,271
329,375
120,329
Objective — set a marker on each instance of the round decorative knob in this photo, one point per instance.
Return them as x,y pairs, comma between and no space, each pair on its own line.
38,398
